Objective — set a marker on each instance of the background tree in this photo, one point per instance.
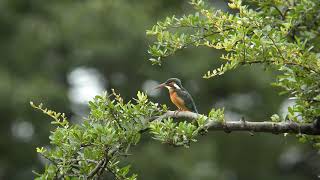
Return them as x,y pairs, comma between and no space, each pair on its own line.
43,43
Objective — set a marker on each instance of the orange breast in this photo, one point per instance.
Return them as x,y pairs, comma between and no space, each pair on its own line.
178,101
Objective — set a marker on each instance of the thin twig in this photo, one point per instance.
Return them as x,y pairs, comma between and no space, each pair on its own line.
290,63
276,46
283,17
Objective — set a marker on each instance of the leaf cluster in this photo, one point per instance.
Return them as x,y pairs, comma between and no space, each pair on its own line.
96,146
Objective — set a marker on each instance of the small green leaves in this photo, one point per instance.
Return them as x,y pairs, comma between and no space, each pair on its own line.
220,71
198,4
201,121
142,98
123,173
217,115
183,133
58,118
111,128
275,118
41,150
235,4
167,131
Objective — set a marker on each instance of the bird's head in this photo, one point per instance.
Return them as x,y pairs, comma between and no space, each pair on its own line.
171,84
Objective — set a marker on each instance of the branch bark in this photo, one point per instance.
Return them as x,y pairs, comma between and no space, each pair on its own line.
102,164
264,126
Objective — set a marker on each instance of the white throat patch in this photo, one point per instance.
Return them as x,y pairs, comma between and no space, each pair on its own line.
168,87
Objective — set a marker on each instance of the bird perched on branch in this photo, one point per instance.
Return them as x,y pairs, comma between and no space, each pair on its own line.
179,95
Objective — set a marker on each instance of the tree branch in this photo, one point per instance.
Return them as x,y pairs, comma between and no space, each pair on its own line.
95,170
99,168
264,126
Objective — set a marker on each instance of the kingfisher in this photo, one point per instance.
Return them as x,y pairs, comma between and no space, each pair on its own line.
179,95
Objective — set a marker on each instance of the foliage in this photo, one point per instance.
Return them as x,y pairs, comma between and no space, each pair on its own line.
217,114
100,141
280,34
176,134
96,145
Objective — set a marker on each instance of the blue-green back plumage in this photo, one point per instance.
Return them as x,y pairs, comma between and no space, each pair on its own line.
188,100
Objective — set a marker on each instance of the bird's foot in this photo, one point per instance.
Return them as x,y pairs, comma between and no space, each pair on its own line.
176,112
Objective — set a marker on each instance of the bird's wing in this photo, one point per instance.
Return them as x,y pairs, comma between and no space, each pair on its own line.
189,103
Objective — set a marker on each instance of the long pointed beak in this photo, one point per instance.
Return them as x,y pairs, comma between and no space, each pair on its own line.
160,86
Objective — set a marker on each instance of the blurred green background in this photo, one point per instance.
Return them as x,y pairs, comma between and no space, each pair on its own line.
63,52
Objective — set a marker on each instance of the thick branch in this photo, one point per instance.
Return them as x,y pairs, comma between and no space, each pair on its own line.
265,126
